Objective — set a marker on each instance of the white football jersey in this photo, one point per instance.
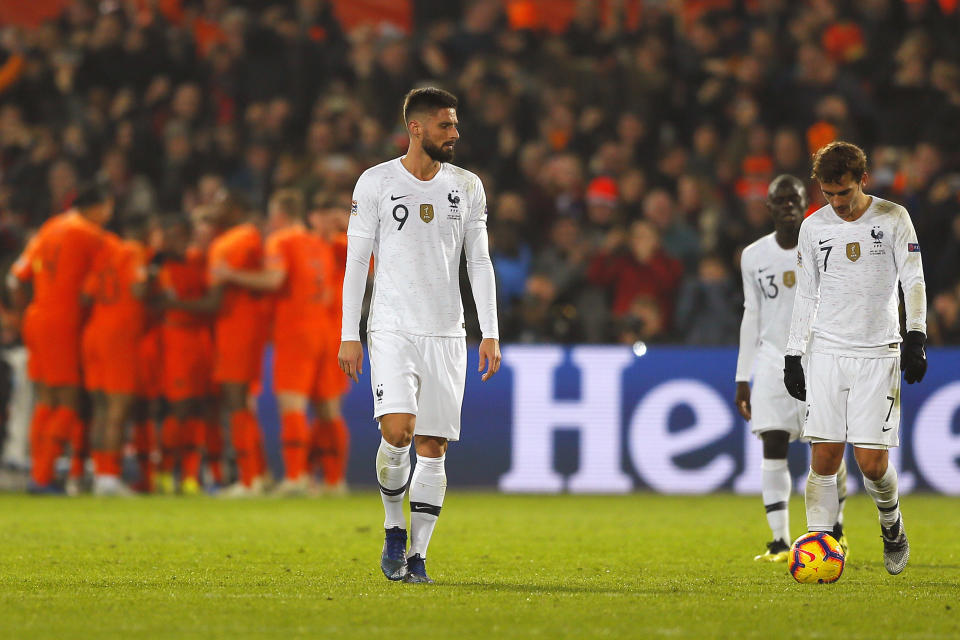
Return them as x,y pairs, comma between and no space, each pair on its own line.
769,287
852,269
418,231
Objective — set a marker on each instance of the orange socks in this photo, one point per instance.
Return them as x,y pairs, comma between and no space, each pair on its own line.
51,438
78,446
144,443
295,437
213,442
243,429
192,435
38,422
332,442
169,443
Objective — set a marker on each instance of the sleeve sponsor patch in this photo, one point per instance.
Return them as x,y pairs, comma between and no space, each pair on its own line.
353,208
913,247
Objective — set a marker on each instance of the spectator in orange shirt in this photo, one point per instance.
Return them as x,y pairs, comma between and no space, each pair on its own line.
60,261
298,267
114,289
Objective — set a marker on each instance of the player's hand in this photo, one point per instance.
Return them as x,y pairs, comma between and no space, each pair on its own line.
913,361
350,358
489,357
793,377
742,399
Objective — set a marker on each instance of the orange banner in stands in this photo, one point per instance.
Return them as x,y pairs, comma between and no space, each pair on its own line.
350,12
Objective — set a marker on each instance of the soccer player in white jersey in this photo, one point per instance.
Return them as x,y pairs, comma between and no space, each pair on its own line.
852,253
417,214
769,268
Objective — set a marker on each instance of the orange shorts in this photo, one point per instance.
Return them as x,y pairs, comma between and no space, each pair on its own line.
238,355
28,333
332,382
302,364
110,359
57,340
187,362
150,371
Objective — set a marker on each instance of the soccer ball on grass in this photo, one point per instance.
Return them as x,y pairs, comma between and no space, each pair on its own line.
816,558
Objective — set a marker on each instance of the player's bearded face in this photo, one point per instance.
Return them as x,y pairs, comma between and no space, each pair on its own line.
440,136
442,150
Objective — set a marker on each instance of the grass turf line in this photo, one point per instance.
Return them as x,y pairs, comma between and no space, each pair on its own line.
506,566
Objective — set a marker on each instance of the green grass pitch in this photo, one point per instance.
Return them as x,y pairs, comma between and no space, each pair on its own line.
638,566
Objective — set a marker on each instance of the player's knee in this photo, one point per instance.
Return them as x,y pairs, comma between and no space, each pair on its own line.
397,428
775,444
291,402
871,466
180,410
431,446
825,458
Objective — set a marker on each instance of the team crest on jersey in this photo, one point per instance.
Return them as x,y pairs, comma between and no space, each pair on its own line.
877,236
789,279
853,251
426,212
454,199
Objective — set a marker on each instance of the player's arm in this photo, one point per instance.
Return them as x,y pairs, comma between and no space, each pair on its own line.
350,356
906,254
269,279
209,303
808,295
483,283
20,273
749,341
804,312
364,223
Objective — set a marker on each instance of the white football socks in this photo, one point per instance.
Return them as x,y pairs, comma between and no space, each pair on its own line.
884,493
822,501
775,483
427,488
393,470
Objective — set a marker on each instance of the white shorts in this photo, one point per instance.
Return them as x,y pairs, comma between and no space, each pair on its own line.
853,399
772,408
420,375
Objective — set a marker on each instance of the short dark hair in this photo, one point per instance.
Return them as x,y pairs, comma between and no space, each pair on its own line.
90,195
832,162
427,99
290,201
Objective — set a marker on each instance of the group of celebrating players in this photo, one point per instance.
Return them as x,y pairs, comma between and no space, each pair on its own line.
154,338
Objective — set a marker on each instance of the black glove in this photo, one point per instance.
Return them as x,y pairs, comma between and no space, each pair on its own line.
793,377
913,360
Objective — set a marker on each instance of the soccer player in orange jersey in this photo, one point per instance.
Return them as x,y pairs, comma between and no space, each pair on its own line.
297,267
238,334
21,272
187,355
331,437
60,261
111,343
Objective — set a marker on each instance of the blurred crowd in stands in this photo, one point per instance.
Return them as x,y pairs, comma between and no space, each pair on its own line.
626,156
